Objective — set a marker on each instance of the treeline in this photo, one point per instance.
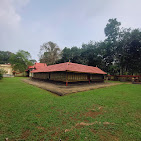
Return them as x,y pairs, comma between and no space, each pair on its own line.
4,57
120,57
19,60
119,53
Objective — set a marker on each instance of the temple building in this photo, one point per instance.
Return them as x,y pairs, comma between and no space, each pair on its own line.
67,72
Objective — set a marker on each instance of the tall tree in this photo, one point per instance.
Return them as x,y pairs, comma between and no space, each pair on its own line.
129,51
119,53
20,61
112,32
75,54
90,54
49,53
112,29
33,61
66,54
4,57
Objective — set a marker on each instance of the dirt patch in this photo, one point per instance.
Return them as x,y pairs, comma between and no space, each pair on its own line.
25,134
64,122
73,118
60,88
82,124
93,114
79,125
108,123
57,132
38,115
41,128
107,136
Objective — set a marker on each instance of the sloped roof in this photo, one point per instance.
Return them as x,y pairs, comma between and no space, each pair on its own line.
40,65
73,67
37,66
31,67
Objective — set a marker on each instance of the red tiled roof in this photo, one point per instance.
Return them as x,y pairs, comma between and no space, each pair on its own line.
37,66
40,65
31,67
73,67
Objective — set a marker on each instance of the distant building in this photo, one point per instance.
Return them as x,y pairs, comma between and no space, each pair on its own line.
8,69
67,72
36,66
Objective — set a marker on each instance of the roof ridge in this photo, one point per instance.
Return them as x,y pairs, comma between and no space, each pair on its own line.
82,64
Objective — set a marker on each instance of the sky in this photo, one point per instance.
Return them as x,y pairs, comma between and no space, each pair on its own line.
27,24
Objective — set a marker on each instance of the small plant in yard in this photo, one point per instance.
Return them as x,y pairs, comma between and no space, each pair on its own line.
2,71
1,76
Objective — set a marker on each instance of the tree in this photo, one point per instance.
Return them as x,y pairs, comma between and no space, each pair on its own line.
129,51
33,61
112,32
4,57
20,61
66,55
119,53
49,53
112,29
89,53
123,49
75,53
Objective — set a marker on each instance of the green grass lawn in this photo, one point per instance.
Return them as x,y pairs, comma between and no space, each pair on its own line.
30,113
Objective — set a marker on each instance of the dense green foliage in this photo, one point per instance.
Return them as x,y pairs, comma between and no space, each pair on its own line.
20,61
30,113
4,57
1,74
119,53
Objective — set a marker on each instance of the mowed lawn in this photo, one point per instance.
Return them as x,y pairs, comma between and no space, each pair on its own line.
30,113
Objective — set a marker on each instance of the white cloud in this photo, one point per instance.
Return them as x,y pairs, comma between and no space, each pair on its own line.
8,14
10,24
25,25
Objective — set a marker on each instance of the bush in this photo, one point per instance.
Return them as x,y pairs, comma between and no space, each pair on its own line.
2,71
1,76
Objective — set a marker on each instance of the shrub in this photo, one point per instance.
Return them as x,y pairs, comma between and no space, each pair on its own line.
1,76
2,71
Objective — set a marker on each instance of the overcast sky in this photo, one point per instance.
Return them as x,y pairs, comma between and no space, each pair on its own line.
27,24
